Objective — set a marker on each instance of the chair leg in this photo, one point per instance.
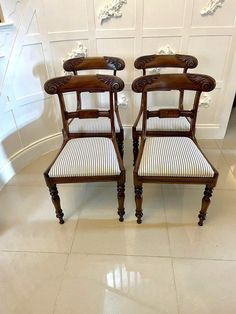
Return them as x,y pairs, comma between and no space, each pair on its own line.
135,148
205,203
120,143
138,200
121,199
56,202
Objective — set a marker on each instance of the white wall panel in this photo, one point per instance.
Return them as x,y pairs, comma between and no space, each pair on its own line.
65,16
211,52
30,74
36,120
119,47
163,13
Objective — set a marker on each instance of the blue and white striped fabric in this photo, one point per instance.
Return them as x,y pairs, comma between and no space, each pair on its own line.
165,124
93,156
173,156
99,125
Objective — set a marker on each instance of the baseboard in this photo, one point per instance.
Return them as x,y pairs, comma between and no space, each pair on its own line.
27,155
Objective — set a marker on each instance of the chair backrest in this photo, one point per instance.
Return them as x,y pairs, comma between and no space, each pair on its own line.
180,61
166,82
184,62
93,63
84,83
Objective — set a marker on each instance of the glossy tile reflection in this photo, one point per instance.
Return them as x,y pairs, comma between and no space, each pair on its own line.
93,264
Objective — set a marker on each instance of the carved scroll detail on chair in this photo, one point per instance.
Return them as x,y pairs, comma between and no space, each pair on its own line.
141,62
189,60
112,82
206,83
139,84
116,63
51,87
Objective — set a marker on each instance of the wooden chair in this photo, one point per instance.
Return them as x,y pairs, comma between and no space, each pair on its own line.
155,125
172,159
86,159
101,126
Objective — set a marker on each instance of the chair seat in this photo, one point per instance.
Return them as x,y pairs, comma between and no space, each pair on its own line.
93,156
165,124
99,125
174,157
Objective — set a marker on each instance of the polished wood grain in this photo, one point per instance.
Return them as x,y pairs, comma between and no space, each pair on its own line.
166,82
80,64
143,63
60,86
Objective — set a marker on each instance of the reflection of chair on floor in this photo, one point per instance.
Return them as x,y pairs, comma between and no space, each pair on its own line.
172,159
101,126
155,125
86,159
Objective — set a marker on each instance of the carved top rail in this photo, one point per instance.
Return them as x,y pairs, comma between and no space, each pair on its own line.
84,83
174,61
91,63
186,81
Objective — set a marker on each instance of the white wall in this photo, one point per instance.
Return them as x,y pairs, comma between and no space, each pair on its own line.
45,31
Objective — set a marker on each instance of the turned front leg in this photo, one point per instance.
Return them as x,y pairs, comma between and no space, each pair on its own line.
138,201
205,204
56,202
121,199
135,148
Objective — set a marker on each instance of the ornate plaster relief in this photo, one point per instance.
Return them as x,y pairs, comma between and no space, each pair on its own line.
211,7
79,51
205,101
111,9
123,100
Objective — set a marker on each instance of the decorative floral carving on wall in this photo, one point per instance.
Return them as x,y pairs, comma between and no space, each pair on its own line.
79,51
111,9
164,50
205,100
123,100
211,7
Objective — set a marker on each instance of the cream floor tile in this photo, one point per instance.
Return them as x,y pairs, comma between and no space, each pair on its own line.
28,221
216,239
29,282
117,284
99,231
33,173
205,286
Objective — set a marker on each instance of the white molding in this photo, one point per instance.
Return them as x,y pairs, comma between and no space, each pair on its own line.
111,9
211,7
164,50
27,155
6,26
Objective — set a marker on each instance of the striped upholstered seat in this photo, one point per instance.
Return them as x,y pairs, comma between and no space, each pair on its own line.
173,156
100,125
93,156
166,124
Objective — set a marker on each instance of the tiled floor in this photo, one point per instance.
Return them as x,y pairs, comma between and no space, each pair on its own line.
95,264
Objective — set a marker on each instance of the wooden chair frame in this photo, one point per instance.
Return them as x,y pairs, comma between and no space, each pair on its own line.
114,64
167,82
80,84
143,63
